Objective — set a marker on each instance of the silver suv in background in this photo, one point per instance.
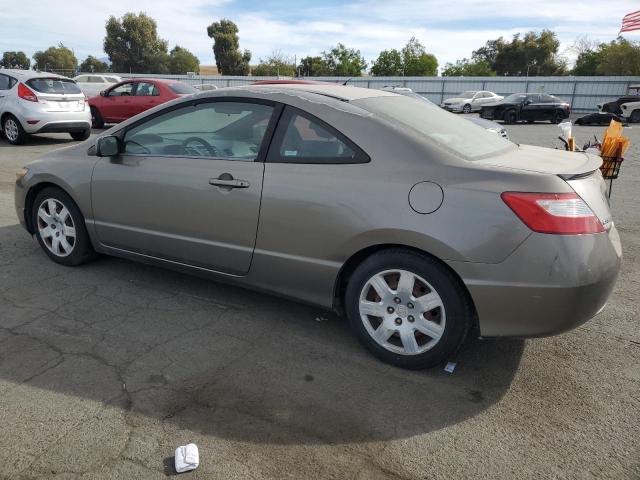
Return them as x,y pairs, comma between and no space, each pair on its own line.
35,102
92,84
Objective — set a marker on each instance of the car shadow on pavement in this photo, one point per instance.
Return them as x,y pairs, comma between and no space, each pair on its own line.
221,360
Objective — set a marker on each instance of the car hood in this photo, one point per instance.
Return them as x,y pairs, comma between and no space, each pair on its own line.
545,160
484,123
457,100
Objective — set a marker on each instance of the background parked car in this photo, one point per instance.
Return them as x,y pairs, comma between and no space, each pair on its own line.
34,102
128,98
633,95
599,118
92,84
470,101
528,107
204,87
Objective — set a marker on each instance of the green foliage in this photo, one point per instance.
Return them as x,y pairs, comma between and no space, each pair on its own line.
535,54
313,67
182,61
388,64
417,62
276,64
226,48
55,58
93,65
468,68
344,62
15,60
619,57
133,45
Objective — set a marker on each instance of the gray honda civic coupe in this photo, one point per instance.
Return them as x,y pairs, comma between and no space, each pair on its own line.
418,226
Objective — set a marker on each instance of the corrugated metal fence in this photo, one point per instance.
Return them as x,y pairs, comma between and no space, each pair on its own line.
583,93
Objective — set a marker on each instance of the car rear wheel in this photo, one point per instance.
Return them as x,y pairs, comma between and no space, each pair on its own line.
79,136
466,108
556,117
635,116
96,119
510,116
13,131
60,229
407,309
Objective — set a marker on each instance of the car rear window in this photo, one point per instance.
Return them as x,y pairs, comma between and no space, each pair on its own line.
53,85
181,88
446,130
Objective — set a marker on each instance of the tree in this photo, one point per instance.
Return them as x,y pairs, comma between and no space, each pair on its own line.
417,62
182,61
534,54
313,67
587,63
133,45
468,68
93,65
619,57
55,58
344,62
276,64
15,60
226,48
389,63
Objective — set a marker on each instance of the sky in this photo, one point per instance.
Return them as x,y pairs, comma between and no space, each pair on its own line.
450,29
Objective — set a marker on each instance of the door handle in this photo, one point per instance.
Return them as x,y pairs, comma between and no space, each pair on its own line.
227,181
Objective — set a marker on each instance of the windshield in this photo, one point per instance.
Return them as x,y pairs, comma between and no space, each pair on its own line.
444,129
467,94
53,85
181,88
515,98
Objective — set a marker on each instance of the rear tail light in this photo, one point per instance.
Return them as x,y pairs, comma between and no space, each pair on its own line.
25,93
559,213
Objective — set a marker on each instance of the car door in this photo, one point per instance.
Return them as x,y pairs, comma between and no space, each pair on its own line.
188,184
530,109
116,105
146,96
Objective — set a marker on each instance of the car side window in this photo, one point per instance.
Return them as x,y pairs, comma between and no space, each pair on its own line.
304,139
146,89
547,98
533,98
226,130
94,79
6,83
82,79
121,90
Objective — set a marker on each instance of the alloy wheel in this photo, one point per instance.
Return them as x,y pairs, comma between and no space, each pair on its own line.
56,227
466,109
11,130
402,312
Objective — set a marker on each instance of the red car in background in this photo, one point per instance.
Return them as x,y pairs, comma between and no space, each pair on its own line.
130,97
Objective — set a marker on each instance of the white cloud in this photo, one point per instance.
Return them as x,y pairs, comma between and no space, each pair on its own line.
451,30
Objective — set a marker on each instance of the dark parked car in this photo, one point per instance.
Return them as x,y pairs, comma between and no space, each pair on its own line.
633,95
527,107
131,97
599,119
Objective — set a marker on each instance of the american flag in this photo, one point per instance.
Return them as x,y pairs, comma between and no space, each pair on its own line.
631,21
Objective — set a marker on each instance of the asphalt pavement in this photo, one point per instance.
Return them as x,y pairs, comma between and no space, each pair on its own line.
105,369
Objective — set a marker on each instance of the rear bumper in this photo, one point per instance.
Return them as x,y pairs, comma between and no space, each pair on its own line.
52,122
64,127
550,284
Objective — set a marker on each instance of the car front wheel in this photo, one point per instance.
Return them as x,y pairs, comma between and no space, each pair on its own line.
466,108
60,229
80,136
407,309
510,116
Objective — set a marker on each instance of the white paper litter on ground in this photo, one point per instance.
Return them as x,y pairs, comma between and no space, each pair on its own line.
187,458
450,367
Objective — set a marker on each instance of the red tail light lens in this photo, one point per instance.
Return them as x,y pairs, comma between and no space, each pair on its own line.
25,93
559,213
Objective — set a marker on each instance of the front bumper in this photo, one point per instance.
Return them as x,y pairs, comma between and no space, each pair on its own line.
64,127
550,284
452,107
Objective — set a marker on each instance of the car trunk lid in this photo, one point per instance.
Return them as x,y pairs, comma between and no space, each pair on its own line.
580,170
58,94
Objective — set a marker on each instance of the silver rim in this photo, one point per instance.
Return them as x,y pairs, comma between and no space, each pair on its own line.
56,227
402,312
11,130
466,109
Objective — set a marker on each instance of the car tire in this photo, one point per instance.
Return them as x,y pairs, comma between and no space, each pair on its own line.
635,117
422,322
13,131
466,108
96,118
557,117
60,228
530,121
510,116
80,136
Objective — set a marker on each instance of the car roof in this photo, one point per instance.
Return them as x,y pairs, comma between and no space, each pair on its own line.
29,74
339,92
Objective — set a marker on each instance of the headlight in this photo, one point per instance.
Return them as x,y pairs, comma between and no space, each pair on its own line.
21,173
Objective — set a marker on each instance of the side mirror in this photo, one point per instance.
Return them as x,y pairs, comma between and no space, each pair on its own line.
528,102
108,146
104,93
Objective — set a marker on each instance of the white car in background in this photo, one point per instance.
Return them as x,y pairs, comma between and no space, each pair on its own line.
470,101
92,84
41,102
